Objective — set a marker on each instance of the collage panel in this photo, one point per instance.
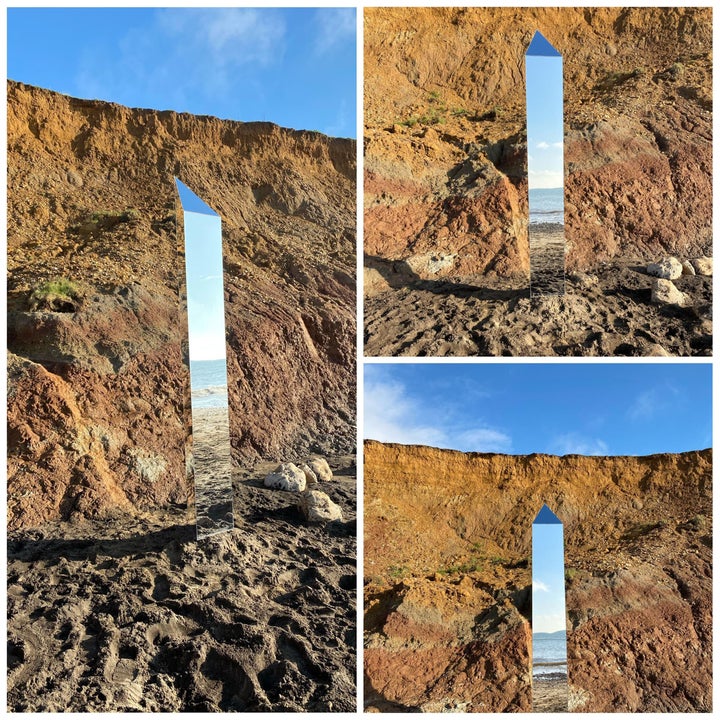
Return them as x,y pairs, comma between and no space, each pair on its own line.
537,181
537,537
193,363
181,314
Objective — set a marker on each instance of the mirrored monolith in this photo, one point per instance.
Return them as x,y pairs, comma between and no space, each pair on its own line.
205,303
544,105
549,643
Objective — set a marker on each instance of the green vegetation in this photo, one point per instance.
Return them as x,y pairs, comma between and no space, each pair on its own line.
397,572
640,529
106,220
473,565
477,561
570,573
59,295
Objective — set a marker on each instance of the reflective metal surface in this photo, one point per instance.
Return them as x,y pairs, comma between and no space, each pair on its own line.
210,446
546,229
549,642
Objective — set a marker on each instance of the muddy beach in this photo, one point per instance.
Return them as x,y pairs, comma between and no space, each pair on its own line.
131,613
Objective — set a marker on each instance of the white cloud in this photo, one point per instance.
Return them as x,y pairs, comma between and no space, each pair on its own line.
549,623
576,444
391,414
546,179
335,26
230,36
540,586
543,145
483,439
206,49
649,403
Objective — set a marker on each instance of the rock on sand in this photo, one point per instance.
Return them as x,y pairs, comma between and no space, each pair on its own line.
310,476
669,268
321,468
286,477
316,506
664,292
702,265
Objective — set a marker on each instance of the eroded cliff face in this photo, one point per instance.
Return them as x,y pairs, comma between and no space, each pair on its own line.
96,385
448,584
445,146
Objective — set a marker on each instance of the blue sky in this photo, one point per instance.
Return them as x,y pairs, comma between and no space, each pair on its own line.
291,66
204,277
544,96
556,408
548,578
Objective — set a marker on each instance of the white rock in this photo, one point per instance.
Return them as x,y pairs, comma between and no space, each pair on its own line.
669,268
286,477
318,507
321,468
702,265
310,476
664,292
688,269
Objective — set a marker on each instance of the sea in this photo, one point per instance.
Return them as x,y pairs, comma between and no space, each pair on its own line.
547,206
549,655
208,383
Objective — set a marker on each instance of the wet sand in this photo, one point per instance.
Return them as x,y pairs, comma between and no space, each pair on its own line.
550,693
131,613
212,470
547,259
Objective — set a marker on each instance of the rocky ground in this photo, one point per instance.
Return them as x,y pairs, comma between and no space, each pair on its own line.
448,586
608,311
445,170
131,613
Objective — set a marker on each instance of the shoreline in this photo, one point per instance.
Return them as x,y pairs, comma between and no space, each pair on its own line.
550,692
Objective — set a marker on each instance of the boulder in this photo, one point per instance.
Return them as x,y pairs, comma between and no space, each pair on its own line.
688,268
321,468
665,293
310,476
702,265
668,268
316,506
286,477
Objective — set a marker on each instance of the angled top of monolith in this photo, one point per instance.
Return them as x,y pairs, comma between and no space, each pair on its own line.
540,46
547,517
190,201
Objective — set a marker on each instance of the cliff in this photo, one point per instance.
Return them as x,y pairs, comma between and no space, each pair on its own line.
445,146
96,381
447,587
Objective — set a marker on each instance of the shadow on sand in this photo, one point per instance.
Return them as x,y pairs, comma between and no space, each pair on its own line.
398,274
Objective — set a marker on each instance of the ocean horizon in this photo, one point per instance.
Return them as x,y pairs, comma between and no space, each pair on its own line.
547,205
208,383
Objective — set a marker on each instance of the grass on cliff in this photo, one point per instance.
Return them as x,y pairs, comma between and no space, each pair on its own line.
105,220
58,295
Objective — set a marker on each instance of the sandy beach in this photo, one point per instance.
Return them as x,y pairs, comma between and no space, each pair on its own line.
131,613
550,693
547,258
213,482
606,311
